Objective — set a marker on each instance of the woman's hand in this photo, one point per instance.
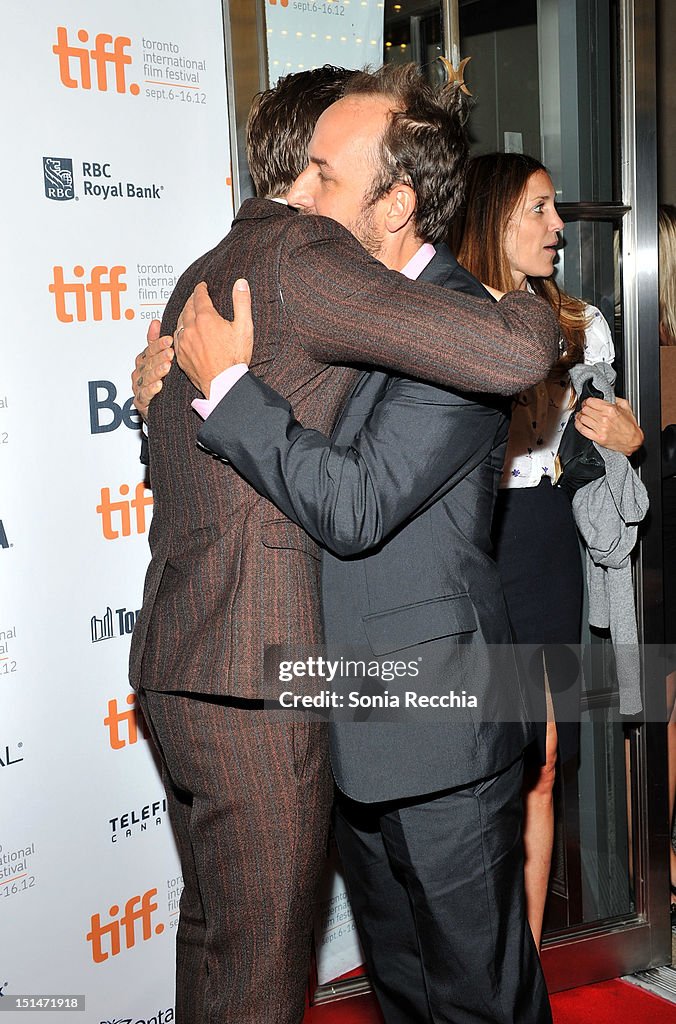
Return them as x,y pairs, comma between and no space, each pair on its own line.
611,424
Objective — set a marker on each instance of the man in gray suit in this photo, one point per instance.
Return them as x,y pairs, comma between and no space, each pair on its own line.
429,820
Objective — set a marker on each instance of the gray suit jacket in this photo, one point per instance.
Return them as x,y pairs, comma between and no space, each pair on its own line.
401,500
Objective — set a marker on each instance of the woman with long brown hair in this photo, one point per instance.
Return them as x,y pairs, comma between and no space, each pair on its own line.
508,237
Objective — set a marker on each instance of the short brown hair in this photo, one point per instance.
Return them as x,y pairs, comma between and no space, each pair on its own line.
496,182
424,145
281,122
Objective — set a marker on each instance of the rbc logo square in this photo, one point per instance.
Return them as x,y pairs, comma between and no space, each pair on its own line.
58,172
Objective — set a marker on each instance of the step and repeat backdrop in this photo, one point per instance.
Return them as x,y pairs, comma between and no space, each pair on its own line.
115,176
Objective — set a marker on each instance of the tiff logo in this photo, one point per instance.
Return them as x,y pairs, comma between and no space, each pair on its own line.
138,504
136,909
117,721
108,53
103,281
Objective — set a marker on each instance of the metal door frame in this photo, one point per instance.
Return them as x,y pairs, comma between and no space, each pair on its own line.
622,946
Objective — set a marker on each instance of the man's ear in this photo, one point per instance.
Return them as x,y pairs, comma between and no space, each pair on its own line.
399,207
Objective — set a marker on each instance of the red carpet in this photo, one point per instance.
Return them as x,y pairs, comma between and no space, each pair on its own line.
358,1010
609,1002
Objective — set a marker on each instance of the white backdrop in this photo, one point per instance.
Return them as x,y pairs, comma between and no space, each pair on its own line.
114,177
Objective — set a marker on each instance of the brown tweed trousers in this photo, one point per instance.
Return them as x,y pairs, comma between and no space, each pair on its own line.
229,577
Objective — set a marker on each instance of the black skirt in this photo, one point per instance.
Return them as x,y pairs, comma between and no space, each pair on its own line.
538,555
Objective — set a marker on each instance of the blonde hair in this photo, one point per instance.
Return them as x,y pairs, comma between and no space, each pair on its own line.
667,265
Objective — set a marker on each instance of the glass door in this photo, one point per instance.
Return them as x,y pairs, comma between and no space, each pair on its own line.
570,82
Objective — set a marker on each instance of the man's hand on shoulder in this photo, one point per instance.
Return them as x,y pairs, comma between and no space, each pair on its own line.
152,365
205,343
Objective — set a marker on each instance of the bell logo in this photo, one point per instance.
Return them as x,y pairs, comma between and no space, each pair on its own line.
117,721
139,503
102,405
102,281
137,908
77,61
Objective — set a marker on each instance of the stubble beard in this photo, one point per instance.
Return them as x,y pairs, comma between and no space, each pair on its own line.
365,231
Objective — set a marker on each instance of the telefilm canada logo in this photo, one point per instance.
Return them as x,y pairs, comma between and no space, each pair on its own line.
58,175
132,823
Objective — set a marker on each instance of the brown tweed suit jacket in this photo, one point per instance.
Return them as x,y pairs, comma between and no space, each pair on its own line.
229,575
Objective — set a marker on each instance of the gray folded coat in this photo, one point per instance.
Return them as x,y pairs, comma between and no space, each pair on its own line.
607,512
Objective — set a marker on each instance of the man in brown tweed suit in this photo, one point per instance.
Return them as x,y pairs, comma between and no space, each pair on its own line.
229,576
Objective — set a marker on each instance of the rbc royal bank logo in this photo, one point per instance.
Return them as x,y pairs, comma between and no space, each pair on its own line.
98,181
58,174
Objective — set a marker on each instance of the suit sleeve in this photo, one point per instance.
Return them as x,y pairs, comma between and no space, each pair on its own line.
346,307
417,443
